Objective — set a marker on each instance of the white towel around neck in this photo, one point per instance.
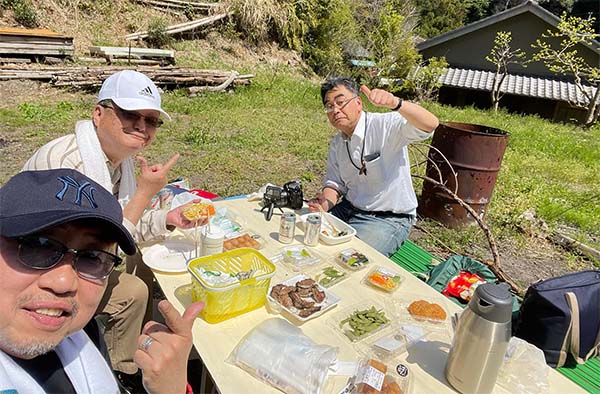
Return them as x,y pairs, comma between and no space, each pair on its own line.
87,370
94,162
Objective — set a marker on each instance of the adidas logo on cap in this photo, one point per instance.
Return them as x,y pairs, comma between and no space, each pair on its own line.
147,91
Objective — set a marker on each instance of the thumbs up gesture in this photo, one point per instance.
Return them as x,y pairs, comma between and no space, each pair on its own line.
380,98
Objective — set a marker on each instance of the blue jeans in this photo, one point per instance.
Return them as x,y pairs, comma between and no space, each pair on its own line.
383,231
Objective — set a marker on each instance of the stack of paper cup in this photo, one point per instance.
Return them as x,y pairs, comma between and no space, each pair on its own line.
212,240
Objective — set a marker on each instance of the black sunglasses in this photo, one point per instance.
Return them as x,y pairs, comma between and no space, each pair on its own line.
43,253
132,117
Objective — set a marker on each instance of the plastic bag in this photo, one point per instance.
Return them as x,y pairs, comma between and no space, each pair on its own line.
279,354
524,369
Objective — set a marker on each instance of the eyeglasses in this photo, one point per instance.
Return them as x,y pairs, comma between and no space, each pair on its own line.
43,253
133,117
330,107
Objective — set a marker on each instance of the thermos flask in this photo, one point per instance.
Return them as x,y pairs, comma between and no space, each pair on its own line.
480,340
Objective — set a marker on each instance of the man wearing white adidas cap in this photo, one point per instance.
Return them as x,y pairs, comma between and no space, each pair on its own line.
124,121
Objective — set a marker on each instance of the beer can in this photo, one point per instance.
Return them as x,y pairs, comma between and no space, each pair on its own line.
287,227
312,230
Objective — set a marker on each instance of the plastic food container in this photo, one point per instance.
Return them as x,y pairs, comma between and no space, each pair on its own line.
362,321
298,257
246,275
326,235
384,279
376,377
247,240
391,343
417,309
330,301
352,259
329,275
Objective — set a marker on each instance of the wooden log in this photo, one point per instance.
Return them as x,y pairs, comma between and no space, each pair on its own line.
126,51
14,60
179,28
38,49
181,4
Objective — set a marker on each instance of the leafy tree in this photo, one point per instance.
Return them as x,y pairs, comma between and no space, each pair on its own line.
440,16
502,55
476,10
423,81
391,38
557,7
563,59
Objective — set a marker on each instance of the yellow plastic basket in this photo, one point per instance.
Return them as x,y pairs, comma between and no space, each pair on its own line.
222,302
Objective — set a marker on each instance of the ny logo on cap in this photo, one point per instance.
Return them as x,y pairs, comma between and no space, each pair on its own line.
80,190
146,92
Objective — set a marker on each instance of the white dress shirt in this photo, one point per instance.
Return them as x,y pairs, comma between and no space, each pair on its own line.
387,185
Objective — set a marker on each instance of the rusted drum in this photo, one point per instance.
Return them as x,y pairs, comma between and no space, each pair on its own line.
475,152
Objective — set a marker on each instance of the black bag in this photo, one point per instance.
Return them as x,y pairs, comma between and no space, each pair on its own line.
561,316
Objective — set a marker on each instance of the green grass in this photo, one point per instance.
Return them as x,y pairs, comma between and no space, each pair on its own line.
274,130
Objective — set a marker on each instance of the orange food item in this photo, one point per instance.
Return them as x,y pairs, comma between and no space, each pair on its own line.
243,241
390,386
199,210
425,310
363,388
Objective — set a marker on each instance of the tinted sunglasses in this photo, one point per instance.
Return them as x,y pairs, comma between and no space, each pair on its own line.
133,117
43,253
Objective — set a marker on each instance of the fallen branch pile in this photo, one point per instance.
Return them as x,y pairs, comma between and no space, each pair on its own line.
91,77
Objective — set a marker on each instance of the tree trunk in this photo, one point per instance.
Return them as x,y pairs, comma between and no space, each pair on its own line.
593,108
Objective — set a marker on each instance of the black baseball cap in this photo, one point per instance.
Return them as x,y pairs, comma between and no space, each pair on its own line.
32,201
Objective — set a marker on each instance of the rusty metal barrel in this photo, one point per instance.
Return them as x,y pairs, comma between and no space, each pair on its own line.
475,152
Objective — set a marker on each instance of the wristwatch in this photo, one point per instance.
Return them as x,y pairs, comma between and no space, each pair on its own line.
397,107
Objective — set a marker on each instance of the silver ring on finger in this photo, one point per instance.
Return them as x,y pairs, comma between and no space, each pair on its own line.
146,344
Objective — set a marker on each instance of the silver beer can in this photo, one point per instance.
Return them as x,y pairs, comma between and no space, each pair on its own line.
287,227
312,230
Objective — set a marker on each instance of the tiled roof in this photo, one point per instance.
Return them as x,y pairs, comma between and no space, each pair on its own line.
515,84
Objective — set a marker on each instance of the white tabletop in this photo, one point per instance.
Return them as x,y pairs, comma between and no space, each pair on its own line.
214,342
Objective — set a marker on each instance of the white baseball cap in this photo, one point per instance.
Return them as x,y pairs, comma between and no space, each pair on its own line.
131,90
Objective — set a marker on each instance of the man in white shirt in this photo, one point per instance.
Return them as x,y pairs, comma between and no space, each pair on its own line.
367,182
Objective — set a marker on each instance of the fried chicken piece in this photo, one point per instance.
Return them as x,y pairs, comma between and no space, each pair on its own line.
425,310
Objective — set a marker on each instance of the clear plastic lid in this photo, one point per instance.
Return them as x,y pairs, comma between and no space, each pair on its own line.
417,309
361,321
391,343
302,298
246,240
376,377
329,275
352,259
384,279
298,257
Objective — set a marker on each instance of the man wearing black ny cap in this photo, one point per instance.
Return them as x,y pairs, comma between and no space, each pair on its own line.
59,232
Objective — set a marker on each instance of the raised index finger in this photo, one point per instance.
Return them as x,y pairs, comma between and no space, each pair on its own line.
171,162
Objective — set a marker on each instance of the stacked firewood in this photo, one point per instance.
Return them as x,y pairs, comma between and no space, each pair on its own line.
167,77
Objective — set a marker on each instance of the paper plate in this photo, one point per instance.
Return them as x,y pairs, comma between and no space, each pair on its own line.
170,256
